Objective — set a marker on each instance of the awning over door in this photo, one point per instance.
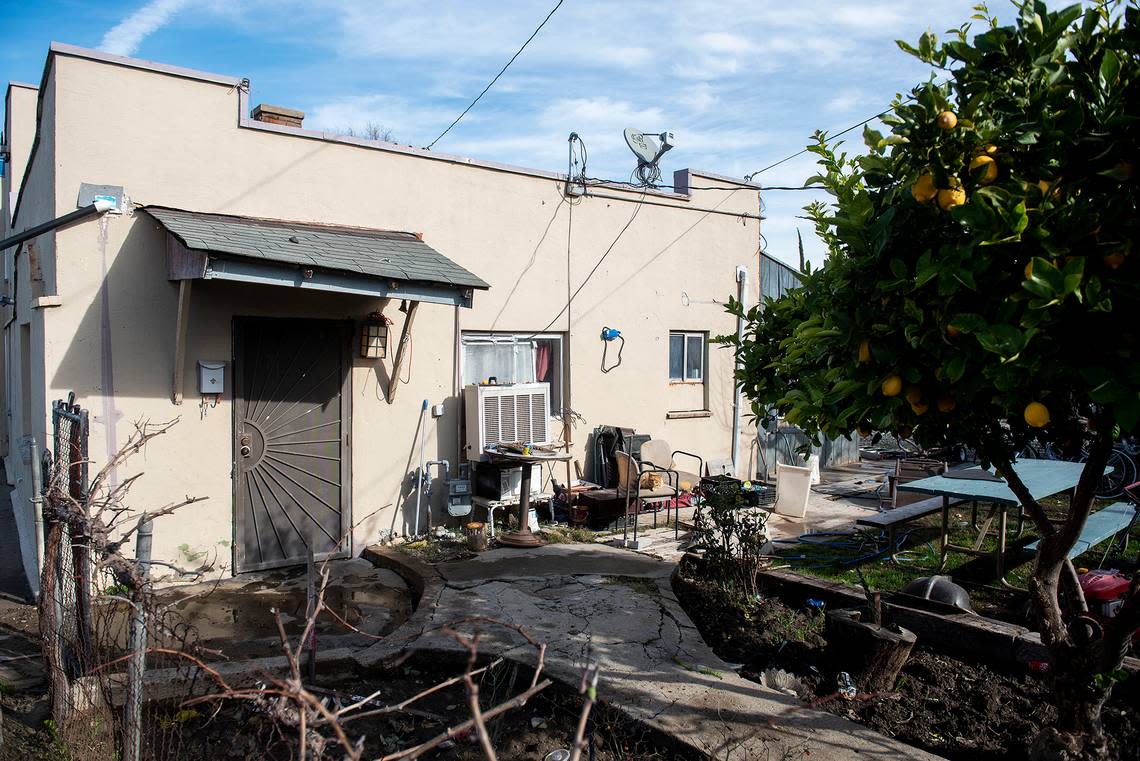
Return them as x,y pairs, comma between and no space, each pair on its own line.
361,261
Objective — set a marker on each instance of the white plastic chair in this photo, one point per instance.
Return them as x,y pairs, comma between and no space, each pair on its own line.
793,487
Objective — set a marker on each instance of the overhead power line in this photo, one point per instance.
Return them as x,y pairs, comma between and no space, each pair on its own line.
802,151
501,71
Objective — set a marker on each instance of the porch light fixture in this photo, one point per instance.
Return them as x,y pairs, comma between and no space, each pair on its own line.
374,336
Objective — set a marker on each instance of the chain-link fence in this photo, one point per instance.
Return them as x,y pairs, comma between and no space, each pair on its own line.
100,624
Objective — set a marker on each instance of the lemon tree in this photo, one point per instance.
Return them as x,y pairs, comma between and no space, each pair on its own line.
982,286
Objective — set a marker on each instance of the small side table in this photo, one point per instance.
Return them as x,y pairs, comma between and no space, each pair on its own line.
523,537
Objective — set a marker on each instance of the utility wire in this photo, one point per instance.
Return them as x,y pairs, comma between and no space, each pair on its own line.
879,115
501,71
802,151
594,181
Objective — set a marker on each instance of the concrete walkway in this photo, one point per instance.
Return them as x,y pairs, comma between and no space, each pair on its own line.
616,608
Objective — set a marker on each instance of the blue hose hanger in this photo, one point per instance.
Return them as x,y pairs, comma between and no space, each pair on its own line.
610,335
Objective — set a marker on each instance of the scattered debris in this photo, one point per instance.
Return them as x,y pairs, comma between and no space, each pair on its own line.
846,686
786,682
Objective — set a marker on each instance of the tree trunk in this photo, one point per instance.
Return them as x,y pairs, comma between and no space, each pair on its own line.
873,654
1078,734
1077,652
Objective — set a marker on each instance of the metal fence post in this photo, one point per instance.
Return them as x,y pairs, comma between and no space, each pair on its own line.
136,666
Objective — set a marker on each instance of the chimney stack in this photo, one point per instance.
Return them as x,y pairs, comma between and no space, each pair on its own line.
278,115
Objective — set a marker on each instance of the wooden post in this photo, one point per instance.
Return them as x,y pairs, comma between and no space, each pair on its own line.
405,336
310,606
136,666
873,654
180,340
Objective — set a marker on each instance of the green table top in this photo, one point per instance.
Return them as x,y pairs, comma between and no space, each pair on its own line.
1043,478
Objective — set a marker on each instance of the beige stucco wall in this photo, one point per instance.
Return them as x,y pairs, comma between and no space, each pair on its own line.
24,382
176,142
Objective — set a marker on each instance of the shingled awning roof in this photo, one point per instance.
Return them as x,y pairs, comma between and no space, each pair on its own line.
324,257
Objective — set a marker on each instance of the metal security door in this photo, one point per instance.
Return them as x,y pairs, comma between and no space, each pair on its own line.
291,449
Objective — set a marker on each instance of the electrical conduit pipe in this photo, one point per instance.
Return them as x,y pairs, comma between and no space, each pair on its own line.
737,395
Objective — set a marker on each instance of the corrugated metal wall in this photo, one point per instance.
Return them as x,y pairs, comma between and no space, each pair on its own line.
776,279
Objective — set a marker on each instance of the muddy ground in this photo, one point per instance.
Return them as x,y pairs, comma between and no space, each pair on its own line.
963,711
247,731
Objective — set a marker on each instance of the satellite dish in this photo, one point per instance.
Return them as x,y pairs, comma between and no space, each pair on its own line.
648,149
642,145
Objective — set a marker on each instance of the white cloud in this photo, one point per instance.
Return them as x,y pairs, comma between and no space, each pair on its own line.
125,37
845,101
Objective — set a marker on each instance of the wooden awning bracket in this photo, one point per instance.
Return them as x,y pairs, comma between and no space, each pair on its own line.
180,329
405,337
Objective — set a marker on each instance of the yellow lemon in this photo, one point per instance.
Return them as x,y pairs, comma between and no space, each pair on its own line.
923,189
947,120
987,175
1114,260
946,403
990,150
953,331
1029,270
892,385
865,351
1036,415
919,408
948,198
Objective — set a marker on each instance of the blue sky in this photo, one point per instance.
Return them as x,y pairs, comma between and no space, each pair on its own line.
741,84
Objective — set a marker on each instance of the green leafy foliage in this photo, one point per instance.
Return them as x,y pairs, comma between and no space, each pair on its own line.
1029,290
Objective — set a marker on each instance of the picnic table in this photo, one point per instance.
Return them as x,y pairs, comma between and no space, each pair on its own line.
1043,478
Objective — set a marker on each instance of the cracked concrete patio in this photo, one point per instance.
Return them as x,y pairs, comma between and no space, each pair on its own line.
617,609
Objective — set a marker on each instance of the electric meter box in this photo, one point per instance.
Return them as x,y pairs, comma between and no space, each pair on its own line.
211,377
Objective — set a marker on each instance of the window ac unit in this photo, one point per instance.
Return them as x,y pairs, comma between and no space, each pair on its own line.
518,413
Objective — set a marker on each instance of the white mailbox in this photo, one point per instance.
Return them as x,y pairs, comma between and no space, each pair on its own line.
211,377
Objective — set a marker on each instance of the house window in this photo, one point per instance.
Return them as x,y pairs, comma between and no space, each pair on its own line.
515,358
687,356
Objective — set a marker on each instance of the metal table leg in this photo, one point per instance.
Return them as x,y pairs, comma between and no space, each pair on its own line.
945,540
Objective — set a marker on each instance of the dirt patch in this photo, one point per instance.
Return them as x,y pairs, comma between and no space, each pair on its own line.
956,709
246,731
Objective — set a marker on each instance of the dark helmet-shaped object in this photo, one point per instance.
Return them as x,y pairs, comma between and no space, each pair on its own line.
941,590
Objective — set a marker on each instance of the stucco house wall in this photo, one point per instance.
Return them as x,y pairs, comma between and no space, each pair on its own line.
184,141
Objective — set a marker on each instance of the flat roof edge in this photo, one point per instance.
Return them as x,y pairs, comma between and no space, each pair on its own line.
451,158
24,85
725,178
61,48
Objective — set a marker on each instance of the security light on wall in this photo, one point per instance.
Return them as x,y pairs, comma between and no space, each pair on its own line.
374,336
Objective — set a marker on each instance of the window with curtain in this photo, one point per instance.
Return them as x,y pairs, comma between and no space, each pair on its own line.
515,358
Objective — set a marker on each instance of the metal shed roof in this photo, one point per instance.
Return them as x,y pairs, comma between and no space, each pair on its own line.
380,254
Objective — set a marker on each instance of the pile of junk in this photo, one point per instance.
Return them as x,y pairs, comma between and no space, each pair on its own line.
676,478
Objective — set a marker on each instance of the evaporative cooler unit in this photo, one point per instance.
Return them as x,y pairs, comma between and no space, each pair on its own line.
518,413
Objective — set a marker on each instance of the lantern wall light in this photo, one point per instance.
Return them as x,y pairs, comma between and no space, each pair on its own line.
374,331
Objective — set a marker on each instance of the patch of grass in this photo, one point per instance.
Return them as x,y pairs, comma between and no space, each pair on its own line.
567,534
786,624
698,669
436,550
837,557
